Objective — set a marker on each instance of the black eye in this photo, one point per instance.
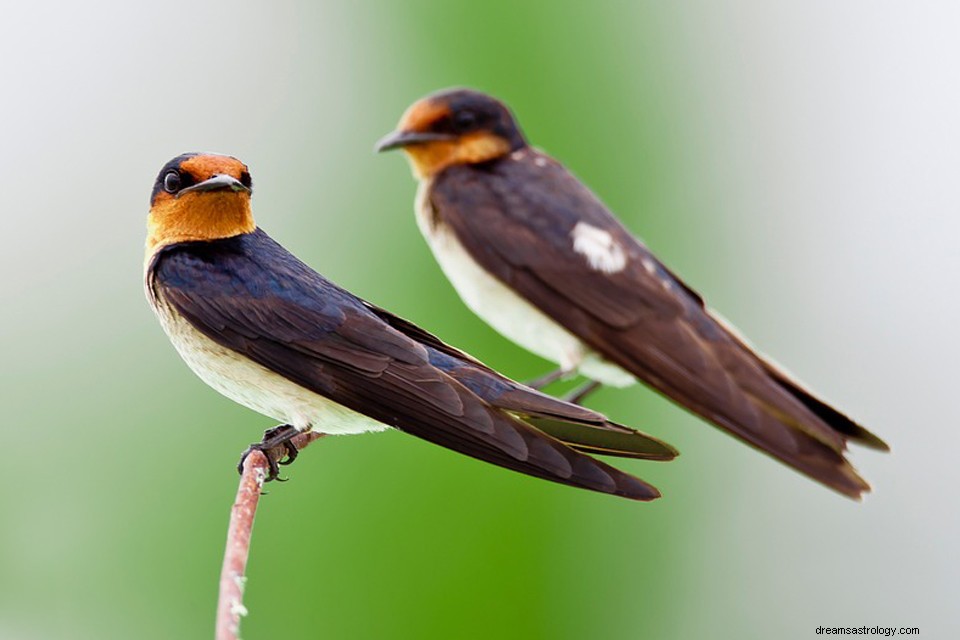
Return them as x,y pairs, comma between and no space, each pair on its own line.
245,180
464,120
171,182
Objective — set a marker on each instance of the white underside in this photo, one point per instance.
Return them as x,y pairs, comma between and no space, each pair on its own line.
256,387
506,311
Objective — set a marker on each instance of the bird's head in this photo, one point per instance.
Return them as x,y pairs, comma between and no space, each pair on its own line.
199,196
456,126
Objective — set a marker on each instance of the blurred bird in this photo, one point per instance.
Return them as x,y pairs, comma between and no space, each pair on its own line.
264,329
536,255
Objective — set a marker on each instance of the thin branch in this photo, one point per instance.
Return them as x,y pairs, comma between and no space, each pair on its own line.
230,604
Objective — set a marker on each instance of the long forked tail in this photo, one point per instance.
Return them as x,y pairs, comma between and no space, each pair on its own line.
703,365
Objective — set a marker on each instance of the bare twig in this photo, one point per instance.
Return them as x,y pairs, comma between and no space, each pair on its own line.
230,604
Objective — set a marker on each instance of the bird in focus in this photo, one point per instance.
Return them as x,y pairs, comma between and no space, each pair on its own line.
534,253
264,329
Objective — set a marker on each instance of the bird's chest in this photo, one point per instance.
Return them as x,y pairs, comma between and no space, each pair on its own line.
497,304
252,385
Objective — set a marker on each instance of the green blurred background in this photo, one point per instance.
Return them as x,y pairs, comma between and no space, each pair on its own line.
797,165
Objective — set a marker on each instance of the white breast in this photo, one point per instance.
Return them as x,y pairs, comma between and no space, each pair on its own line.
504,310
256,387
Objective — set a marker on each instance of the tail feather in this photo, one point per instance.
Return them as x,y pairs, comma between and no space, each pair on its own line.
805,453
744,399
825,412
619,442
546,457
580,427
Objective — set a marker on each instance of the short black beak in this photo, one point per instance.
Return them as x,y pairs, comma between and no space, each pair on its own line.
218,182
397,139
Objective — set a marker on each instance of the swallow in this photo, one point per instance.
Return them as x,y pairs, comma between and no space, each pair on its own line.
267,331
534,253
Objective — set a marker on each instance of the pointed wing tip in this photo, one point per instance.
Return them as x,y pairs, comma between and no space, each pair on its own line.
849,483
872,441
856,494
657,451
608,438
862,436
638,490
662,451
628,486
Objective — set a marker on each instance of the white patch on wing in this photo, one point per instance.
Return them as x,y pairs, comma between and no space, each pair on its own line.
649,265
602,252
505,310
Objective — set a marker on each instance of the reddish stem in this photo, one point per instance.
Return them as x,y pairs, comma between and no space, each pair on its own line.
230,604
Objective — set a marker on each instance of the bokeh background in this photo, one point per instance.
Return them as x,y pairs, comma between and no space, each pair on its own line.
797,164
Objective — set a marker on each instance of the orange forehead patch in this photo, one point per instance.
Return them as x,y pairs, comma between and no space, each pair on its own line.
207,166
422,114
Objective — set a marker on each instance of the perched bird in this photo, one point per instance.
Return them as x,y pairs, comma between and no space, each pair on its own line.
264,329
535,254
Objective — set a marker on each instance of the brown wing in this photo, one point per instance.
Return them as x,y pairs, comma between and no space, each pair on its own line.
516,217
250,295
574,425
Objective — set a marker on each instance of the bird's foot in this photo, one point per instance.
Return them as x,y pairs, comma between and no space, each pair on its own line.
544,380
577,395
277,447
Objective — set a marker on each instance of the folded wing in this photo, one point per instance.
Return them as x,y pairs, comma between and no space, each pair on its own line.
250,295
518,220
